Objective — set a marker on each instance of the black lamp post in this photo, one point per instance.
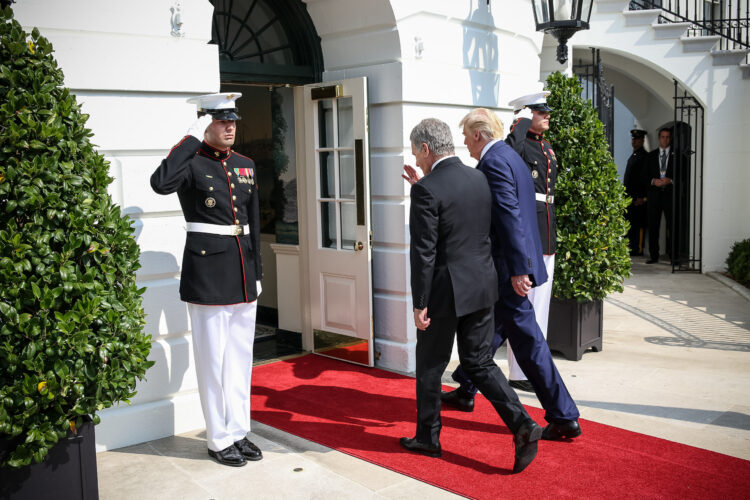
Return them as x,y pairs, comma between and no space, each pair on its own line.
561,19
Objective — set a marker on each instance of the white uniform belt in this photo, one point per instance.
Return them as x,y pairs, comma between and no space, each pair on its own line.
546,198
234,230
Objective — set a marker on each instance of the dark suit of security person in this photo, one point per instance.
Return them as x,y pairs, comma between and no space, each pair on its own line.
454,287
221,269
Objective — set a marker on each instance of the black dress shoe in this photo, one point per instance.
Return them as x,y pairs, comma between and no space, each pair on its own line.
521,385
458,399
652,261
525,442
556,432
228,456
248,449
412,444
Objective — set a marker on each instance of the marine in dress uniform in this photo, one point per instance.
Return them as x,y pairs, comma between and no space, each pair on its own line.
221,269
636,185
517,252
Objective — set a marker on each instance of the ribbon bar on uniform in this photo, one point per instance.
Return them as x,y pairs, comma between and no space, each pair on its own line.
545,198
233,230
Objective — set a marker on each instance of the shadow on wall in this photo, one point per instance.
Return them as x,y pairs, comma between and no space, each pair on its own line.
481,54
163,307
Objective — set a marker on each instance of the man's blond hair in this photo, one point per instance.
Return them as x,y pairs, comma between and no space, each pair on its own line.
485,121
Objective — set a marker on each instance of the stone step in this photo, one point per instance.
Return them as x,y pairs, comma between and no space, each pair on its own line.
609,6
641,17
699,43
745,71
728,57
670,30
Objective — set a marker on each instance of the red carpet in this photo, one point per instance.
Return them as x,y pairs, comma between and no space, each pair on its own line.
363,412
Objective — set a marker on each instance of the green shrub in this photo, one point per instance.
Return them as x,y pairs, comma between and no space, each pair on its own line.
71,321
738,262
592,254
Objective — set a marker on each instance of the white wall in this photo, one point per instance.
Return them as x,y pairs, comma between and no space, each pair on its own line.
437,58
132,77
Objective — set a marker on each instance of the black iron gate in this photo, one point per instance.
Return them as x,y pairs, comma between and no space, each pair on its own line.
601,95
687,199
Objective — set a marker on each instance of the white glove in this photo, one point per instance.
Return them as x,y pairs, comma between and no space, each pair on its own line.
258,288
199,126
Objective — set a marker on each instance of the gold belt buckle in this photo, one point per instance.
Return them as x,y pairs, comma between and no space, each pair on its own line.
550,199
237,230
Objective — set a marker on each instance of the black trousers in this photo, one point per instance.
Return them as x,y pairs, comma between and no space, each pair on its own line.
434,345
659,201
638,217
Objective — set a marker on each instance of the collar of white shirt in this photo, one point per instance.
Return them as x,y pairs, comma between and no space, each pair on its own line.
439,160
487,147
664,151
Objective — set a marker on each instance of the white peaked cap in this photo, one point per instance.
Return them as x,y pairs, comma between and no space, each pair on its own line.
222,100
535,99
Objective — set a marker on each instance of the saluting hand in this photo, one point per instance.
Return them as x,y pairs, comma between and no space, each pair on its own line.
410,175
199,126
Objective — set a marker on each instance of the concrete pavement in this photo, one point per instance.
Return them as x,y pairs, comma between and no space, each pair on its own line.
675,364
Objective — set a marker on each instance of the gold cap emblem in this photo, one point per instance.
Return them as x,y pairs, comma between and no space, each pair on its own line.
210,202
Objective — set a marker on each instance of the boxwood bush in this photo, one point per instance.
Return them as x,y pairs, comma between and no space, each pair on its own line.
71,320
592,258
738,262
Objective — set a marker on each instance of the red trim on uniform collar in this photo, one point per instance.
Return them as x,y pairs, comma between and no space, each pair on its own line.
534,136
213,153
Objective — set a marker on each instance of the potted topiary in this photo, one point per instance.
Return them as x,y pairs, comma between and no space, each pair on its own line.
71,320
592,252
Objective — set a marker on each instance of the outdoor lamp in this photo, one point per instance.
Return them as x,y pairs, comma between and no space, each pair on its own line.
561,19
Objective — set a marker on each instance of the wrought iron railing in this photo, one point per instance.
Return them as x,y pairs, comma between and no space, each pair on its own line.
601,95
728,19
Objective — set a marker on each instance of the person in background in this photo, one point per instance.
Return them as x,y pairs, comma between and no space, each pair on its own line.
636,186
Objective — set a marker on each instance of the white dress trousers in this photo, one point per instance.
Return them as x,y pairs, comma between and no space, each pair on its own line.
223,349
539,297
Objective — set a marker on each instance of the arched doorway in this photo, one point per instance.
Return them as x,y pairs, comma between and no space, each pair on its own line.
267,47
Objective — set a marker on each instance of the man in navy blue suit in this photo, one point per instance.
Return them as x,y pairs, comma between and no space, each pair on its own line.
517,255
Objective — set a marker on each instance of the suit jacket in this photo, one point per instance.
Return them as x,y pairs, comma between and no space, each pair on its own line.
449,223
652,169
542,164
214,187
516,247
636,179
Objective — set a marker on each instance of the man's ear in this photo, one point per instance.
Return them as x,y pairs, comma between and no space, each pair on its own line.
424,148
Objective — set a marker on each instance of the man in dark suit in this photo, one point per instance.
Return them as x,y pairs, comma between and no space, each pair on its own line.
636,184
517,254
660,170
454,287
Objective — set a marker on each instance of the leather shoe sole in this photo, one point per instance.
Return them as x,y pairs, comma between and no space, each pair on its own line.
456,400
558,432
412,444
526,444
521,385
227,456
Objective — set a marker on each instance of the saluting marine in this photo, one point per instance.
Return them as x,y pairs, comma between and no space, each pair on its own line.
221,268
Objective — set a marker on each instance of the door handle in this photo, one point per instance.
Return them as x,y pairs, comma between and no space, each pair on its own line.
359,246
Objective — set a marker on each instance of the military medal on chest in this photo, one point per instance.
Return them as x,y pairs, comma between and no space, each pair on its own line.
245,175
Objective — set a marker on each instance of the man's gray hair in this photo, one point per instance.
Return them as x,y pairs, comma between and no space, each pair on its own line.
435,133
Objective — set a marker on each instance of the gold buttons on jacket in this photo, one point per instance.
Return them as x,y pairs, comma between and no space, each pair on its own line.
234,197
232,186
203,252
210,188
235,209
534,174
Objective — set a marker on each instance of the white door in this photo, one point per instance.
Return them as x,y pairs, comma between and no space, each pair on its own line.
338,219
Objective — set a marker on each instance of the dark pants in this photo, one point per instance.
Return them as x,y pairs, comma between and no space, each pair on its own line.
515,319
434,345
659,202
638,217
